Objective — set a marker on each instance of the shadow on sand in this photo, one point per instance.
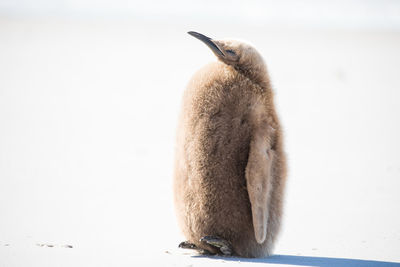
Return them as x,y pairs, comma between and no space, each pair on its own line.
309,261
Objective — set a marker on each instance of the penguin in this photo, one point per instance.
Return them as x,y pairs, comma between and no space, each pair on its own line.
230,166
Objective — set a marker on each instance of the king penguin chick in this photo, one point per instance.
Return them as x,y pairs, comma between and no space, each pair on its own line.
230,167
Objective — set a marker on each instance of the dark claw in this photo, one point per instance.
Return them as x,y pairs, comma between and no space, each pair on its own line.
187,245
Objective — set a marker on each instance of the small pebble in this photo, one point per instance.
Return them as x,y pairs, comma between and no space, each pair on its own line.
45,245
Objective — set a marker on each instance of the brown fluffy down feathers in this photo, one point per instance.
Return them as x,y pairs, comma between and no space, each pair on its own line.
230,167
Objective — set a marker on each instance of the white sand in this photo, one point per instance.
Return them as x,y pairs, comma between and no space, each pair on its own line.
87,121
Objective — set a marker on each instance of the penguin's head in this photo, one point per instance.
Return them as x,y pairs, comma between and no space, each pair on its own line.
240,55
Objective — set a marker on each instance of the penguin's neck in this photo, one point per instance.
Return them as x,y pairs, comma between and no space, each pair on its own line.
258,77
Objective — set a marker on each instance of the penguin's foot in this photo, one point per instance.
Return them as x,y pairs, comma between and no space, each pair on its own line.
219,243
188,245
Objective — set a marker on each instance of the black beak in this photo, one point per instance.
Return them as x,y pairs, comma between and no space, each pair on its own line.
209,42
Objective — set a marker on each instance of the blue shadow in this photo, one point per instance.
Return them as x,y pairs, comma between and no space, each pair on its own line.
310,261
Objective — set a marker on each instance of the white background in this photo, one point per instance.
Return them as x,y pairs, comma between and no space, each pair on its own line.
89,97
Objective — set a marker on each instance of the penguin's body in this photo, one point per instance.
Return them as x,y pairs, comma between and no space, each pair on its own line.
230,167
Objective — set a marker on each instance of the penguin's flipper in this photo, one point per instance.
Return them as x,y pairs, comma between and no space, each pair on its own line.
258,179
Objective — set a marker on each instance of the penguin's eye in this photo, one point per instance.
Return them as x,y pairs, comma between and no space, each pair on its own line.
229,51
